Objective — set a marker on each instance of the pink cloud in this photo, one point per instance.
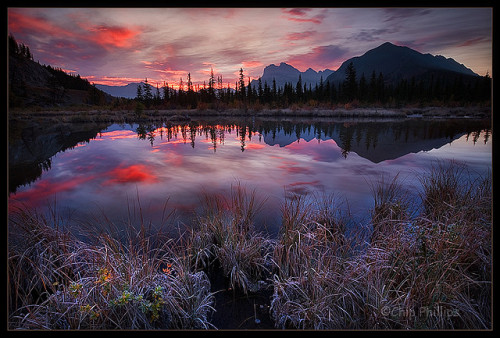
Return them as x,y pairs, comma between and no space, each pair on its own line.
112,36
297,11
21,23
252,64
299,36
254,146
299,15
131,174
46,188
320,57
113,80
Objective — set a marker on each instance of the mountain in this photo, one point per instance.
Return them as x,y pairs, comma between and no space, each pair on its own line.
284,73
397,63
372,140
32,84
128,91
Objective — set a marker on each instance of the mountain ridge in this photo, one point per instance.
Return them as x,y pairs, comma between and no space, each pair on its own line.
397,63
285,73
128,91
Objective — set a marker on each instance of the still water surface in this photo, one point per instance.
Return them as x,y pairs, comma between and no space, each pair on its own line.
128,173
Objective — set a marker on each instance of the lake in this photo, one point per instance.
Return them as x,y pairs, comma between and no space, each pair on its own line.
91,175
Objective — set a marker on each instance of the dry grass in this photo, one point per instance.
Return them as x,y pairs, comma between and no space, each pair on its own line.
59,282
225,233
425,271
430,270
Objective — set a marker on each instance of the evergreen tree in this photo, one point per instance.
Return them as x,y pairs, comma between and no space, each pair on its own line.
267,93
241,85
350,84
211,85
380,88
363,88
260,91
274,91
139,95
321,89
298,88
189,83
166,94
148,96
157,95
13,46
249,91
220,90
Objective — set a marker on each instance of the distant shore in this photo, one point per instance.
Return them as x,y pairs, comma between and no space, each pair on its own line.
123,115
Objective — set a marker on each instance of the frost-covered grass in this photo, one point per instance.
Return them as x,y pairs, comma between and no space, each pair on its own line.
429,269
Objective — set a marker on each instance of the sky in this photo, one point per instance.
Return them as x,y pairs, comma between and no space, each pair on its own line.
116,46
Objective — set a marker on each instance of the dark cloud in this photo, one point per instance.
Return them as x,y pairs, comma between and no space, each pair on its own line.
369,35
397,14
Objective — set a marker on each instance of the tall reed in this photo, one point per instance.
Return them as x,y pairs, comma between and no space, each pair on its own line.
111,284
225,232
430,270
425,270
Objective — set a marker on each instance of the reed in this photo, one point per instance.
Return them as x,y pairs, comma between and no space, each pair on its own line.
112,284
430,269
225,233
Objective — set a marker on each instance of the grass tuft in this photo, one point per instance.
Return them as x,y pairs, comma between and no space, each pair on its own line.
420,270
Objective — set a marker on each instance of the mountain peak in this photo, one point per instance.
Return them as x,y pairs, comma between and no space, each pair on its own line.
388,44
285,73
399,62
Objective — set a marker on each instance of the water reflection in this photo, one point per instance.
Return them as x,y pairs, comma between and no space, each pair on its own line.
375,141
113,170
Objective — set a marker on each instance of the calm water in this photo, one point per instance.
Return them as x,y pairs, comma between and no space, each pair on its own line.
144,171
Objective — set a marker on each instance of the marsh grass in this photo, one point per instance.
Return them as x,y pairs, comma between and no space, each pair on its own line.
225,232
310,260
429,269
60,282
391,206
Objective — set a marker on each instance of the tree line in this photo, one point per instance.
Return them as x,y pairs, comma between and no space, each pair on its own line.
214,93
433,88
346,135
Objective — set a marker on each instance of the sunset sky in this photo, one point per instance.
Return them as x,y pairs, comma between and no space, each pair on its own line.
117,46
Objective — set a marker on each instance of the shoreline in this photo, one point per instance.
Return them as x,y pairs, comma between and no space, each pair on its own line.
82,115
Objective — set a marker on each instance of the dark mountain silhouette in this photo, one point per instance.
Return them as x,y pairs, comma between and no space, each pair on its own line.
379,141
128,91
397,63
284,73
32,84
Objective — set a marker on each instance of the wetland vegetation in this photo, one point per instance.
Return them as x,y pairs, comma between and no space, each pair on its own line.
425,270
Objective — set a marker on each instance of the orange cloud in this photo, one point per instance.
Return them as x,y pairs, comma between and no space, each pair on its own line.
254,146
112,80
119,134
133,173
45,189
252,64
115,36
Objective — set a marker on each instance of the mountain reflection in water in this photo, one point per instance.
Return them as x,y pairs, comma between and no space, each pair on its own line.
111,169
